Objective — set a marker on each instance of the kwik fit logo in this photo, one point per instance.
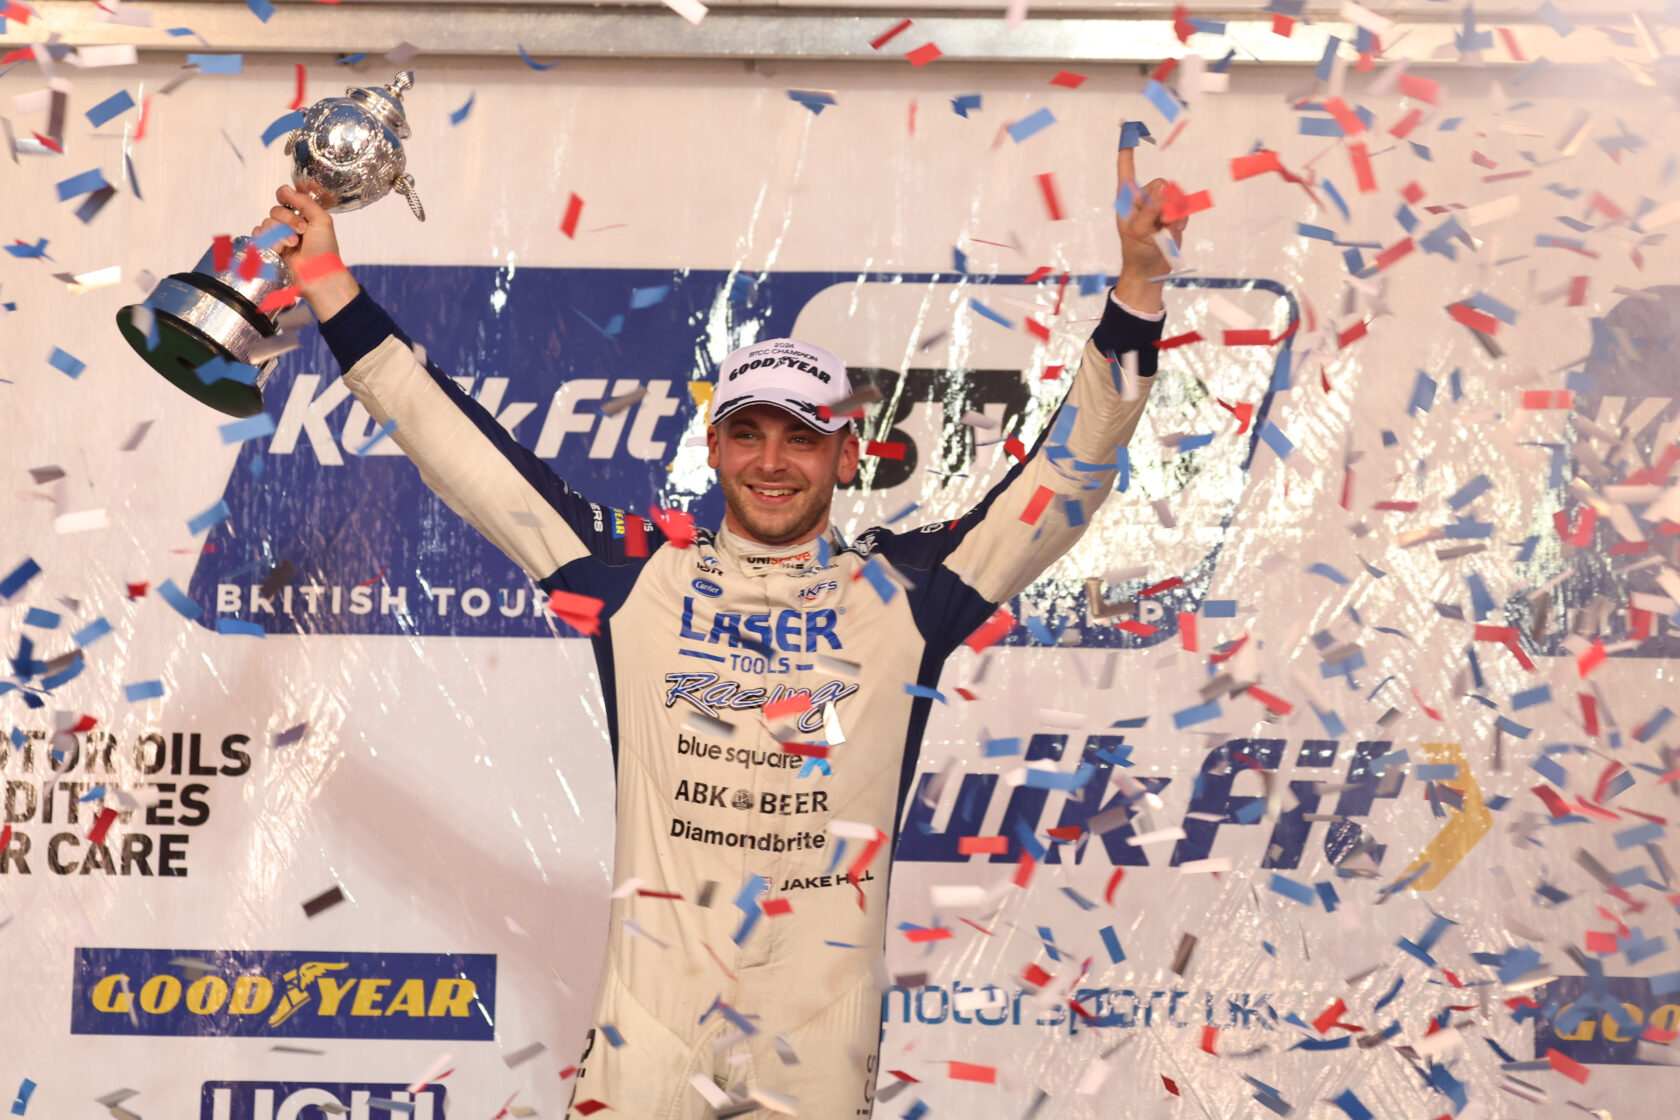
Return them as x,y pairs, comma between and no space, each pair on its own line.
284,994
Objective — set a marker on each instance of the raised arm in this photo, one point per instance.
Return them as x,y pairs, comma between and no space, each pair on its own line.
1041,507
501,488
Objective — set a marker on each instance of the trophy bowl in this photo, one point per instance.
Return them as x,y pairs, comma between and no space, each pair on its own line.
346,153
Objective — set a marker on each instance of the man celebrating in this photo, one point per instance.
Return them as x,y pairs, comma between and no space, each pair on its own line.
755,681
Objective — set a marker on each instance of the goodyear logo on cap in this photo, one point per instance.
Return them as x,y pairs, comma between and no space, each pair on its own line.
284,994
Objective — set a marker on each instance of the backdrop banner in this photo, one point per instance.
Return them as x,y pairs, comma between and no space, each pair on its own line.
1334,764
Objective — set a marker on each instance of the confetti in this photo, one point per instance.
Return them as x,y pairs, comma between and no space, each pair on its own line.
923,55
323,901
574,210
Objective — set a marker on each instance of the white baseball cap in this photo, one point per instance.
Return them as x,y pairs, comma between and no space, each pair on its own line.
794,376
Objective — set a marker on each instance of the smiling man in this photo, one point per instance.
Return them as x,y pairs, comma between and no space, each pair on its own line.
766,687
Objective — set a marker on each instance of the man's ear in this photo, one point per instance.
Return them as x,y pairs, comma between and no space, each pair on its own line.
849,451
712,458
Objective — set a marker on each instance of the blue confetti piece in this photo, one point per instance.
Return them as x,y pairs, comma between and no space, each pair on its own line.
1556,20
66,363
459,115
217,63
1470,491
91,633
648,297
1336,197
177,598
1512,727
1289,888
1481,601
999,748
93,794
1274,438
1031,125
1647,833
179,32
1331,722
813,99
1162,99
1040,632
747,903
990,314
1327,895
384,431
1199,713
41,619
1219,608
1123,459
1532,70
1192,442
525,56
1666,984
1504,312
215,515
1329,573
1079,900
143,690
1029,843
25,1091
924,692
240,626
280,126
85,183
20,575
1327,59
1320,126
1650,727
1111,942
262,9
1057,779
1132,133
965,103
251,427
959,261
917,1111
878,579
113,106
1352,1105
614,1039
1540,694
220,368
1436,771
1423,395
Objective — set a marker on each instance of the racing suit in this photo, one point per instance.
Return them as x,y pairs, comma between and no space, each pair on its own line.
768,935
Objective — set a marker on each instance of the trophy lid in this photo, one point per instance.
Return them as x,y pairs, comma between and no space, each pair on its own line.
385,102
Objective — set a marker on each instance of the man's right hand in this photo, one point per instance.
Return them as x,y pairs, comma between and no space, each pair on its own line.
312,236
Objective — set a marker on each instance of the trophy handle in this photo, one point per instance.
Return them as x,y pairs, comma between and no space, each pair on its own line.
405,187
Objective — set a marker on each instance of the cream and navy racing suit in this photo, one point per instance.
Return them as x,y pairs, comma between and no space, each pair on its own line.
769,936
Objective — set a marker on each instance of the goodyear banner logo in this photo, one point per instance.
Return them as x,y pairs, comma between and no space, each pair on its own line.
287,1100
1603,1027
248,993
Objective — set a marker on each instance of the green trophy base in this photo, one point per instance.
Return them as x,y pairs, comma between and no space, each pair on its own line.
181,349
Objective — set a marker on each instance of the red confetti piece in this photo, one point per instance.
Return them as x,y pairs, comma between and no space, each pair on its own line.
676,524
863,861
1421,89
1047,187
1506,636
1256,163
982,845
1172,1086
924,54
967,1071
1541,399
84,725
579,611
1035,976
1226,655
1015,449
1363,176
1187,631
1403,127
221,252
1210,1037
568,226
102,826
787,706
1328,1017
1113,882
145,115
1178,340
635,537
1050,373
315,268
5,837
643,893
1393,253
1276,703
567,1072
1142,629
250,264
137,590
1517,55
988,632
1591,658
1035,328
964,693
1475,320
1411,192
806,750
1024,871
1255,337
589,1108
280,297
889,34
1344,116
302,77
884,450
1589,713
1564,1064
1352,334
1557,806
1156,588
1035,507
777,907
1068,79
1242,410
1037,274
1175,204
1577,291
1581,534
919,936
1164,71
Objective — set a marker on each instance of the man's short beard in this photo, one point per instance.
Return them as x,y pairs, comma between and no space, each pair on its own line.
803,530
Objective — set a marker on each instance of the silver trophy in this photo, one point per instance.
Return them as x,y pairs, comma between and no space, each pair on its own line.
347,153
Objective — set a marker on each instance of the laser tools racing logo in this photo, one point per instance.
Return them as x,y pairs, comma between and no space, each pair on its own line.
364,548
